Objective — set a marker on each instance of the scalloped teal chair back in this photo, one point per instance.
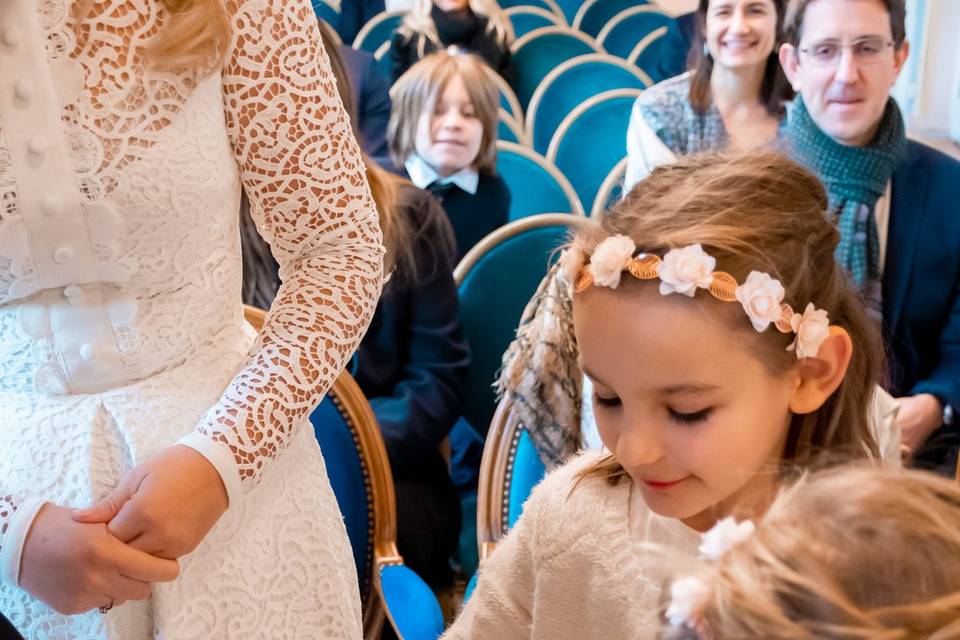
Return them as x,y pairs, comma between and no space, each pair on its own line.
493,294
533,189
524,22
383,25
506,133
593,18
594,142
538,56
648,59
584,79
326,12
622,37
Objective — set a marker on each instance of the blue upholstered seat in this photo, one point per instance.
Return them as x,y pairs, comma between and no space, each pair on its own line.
538,52
378,30
495,280
569,85
326,12
535,185
593,15
592,140
629,27
414,610
530,18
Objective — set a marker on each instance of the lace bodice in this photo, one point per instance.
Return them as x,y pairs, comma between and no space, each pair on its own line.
119,191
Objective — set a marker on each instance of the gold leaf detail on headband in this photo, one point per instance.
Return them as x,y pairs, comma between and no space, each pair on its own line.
583,282
783,323
644,267
724,286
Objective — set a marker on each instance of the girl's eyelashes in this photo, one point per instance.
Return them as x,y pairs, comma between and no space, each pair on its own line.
612,401
689,418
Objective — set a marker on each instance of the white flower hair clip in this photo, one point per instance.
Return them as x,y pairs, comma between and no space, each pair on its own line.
689,595
687,269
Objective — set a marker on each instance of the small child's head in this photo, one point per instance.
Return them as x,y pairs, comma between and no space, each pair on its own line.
713,365
857,553
445,111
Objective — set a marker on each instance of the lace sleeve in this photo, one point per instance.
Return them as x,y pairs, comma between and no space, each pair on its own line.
302,171
16,516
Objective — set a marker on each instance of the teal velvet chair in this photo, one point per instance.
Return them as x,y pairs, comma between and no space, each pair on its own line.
611,190
568,85
539,52
536,186
510,469
327,12
646,54
593,15
592,139
495,281
546,5
508,99
525,19
569,9
508,130
359,473
378,30
622,34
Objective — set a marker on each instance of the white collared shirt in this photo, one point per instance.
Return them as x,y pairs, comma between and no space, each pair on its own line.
423,175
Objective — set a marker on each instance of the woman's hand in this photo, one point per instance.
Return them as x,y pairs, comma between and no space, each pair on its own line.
163,506
75,567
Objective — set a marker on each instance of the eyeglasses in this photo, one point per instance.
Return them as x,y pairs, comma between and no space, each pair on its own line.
827,53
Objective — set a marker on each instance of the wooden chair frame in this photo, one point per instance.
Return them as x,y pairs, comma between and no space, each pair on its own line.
609,183
372,24
584,106
626,14
645,42
536,33
515,127
549,167
516,111
557,17
560,69
496,465
381,500
582,12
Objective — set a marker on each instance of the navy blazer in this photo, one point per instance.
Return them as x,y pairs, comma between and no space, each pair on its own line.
921,286
353,15
371,95
412,362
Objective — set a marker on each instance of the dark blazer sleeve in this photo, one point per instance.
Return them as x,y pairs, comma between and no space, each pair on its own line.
374,109
403,53
428,397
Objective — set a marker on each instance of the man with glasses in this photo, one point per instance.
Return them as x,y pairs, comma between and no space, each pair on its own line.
895,202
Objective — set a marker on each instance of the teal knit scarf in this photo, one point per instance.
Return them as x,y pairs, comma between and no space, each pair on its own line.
855,178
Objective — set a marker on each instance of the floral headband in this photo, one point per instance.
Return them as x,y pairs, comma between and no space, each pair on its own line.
690,268
689,595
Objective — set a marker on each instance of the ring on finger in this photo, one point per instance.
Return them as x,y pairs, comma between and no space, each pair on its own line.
106,608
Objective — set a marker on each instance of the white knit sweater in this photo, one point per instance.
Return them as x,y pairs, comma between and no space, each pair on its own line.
578,564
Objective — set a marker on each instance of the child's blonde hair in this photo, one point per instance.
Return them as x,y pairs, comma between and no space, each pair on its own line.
759,211
418,20
419,89
850,553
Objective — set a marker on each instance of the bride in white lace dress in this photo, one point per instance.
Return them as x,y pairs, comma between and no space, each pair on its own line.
121,332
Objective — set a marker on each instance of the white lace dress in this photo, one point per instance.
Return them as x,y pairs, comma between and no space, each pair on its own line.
121,330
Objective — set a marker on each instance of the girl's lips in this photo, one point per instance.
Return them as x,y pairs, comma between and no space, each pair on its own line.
661,485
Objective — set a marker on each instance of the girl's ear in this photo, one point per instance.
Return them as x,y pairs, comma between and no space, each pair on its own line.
819,377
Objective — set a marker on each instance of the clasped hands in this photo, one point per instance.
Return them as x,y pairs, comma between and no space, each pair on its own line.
111,552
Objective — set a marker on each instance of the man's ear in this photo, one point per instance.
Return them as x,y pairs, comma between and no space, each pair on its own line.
790,64
820,375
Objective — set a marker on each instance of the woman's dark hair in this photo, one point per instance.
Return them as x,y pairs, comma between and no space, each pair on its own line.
773,91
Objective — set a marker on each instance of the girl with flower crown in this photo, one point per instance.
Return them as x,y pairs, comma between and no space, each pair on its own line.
727,351
810,568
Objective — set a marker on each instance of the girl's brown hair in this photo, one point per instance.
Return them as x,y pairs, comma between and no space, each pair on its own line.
759,211
418,90
773,91
851,553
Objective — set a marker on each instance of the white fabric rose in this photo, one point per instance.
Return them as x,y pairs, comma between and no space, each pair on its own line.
684,270
723,536
687,599
571,262
761,296
609,260
812,328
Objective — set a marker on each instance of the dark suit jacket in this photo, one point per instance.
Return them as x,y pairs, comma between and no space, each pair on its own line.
353,15
921,287
413,361
676,47
371,94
